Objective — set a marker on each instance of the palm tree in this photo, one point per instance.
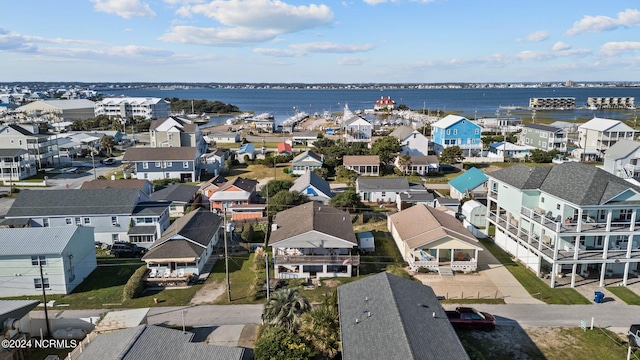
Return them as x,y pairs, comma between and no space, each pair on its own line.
107,143
321,328
285,308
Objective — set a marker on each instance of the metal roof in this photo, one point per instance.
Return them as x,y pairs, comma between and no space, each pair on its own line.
36,241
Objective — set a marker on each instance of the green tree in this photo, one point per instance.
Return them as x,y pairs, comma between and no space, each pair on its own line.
322,172
276,343
404,161
451,155
347,175
348,199
386,147
107,143
284,199
247,232
285,308
321,328
540,156
275,186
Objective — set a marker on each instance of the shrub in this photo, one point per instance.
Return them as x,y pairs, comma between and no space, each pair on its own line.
247,232
277,343
135,286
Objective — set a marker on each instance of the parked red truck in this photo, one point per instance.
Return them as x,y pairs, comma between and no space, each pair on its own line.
470,318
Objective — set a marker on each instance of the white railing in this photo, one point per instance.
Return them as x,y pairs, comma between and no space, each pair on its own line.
464,265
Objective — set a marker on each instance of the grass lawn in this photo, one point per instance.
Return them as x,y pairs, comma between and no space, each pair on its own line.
441,179
256,171
535,286
246,283
625,294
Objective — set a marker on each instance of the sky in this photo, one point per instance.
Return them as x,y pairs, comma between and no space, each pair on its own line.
291,41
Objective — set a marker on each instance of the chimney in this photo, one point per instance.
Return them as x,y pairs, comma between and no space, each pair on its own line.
274,227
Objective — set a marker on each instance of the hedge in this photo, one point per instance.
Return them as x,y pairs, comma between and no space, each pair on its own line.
135,286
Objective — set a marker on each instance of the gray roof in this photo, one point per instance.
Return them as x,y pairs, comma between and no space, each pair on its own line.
311,178
313,216
12,152
69,202
35,240
182,238
382,184
401,324
417,196
578,183
549,128
142,230
16,309
150,208
154,342
175,193
621,149
402,132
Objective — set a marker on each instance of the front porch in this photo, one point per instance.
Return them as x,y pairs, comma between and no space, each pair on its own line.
168,278
465,260
314,263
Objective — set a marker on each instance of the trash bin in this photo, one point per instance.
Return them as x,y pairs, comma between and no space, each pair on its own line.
598,297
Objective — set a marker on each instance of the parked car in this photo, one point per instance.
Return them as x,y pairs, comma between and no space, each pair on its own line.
109,161
470,318
124,249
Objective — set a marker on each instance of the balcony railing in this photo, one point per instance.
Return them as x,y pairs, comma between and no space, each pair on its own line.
318,259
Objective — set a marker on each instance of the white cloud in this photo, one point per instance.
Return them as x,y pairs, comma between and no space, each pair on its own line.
247,21
218,37
627,18
349,60
618,47
303,49
536,36
124,8
375,2
560,46
327,47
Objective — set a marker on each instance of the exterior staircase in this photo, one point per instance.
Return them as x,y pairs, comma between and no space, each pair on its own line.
445,271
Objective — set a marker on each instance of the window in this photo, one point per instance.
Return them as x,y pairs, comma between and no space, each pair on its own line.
146,175
625,214
448,131
167,175
145,165
38,260
158,164
455,131
114,220
383,193
542,199
69,221
37,282
477,131
45,222
168,164
77,220
86,221
115,237
172,207
557,206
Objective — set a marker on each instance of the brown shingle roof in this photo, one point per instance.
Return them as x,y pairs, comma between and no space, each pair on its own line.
361,160
160,154
420,225
313,216
115,184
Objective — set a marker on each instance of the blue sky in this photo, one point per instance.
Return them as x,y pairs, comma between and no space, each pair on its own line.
357,41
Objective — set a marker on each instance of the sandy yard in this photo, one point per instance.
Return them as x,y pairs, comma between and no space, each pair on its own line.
208,294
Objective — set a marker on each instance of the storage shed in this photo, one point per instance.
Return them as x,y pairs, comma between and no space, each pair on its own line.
366,242
475,213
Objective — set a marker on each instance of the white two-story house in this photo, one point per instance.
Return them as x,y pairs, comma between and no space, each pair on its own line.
622,158
569,222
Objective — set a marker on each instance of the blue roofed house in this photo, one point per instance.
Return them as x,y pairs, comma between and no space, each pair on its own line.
471,183
454,130
67,256
315,187
180,163
246,149
306,161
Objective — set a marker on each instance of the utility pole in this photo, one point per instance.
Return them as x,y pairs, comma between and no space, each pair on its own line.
44,298
266,254
93,161
226,254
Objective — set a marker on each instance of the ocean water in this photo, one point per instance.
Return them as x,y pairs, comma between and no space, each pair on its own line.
471,103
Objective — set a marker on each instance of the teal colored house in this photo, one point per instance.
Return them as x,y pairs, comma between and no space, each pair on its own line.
454,130
472,183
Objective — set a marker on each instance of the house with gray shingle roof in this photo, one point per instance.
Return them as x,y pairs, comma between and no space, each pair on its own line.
155,342
16,164
315,187
543,137
179,196
313,240
622,158
384,316
381,189
412,141
67,255
305,161
43,147
180,163
186,245
432,239
115,214
570,220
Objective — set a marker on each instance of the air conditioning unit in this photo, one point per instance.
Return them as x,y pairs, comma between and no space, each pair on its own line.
115,224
